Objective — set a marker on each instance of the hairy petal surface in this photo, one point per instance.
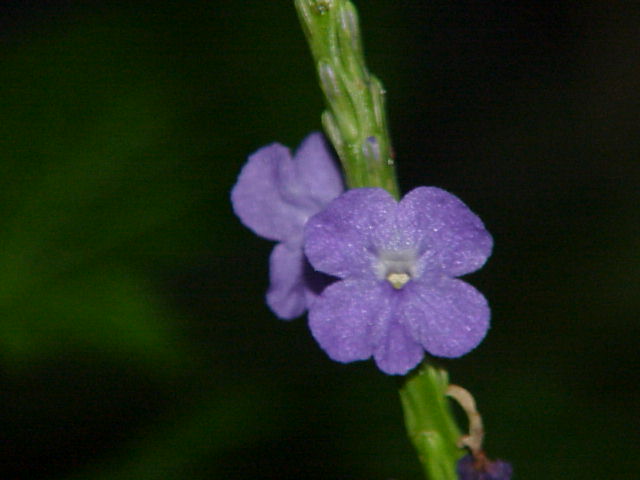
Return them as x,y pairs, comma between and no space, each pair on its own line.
350,319
317,170
397,352
343,240
450,237
287,294
260,197
448,317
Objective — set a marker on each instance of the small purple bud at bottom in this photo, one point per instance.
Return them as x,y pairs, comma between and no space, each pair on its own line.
481,468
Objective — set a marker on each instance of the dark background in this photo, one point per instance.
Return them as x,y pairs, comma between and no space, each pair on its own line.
134,341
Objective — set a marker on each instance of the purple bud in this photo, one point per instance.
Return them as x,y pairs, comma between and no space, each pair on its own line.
371,149
481,468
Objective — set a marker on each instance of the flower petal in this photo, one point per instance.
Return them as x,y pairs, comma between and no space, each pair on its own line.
448,317
451,238
398,352
258,198
342,239
317,170
349,319
287,291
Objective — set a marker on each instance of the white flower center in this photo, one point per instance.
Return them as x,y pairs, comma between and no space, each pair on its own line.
396,267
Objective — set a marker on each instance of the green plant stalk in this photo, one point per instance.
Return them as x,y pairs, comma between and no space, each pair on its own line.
355,122
355,118
430,423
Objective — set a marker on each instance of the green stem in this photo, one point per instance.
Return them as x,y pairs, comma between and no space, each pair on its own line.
430,423
355,119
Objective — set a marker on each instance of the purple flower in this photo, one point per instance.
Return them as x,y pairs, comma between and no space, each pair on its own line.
470,468
274,196
397,261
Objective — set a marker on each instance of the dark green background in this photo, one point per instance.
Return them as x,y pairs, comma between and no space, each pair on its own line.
134,342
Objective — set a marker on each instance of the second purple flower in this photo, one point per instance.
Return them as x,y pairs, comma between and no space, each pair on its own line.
398,261
274,196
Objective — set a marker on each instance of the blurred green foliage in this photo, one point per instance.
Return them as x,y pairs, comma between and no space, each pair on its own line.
134,342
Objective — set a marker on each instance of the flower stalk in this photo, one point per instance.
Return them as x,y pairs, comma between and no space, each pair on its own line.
355,119
430,423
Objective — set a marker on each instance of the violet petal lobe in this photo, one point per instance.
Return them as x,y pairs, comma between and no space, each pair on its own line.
258,199
397,353
341,240
452,239
287,294
317,170
350,319
447,316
